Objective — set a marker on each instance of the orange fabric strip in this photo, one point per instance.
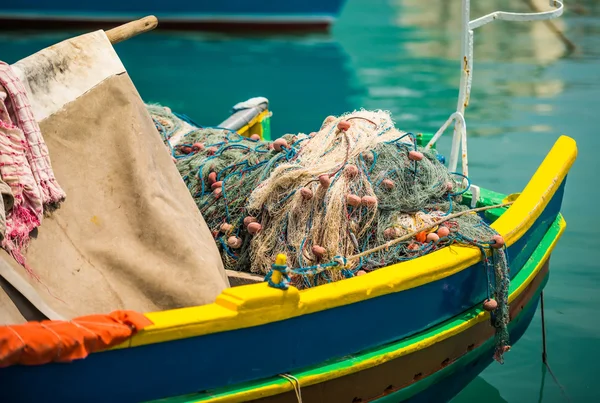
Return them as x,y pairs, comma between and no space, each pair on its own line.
36,343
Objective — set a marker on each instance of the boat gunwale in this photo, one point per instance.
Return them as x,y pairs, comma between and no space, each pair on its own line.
391,351
258,304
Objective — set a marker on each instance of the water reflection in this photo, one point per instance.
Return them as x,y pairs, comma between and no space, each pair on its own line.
494,42
398,55
305,78
510,58
480,390
415,72
420,93
204,75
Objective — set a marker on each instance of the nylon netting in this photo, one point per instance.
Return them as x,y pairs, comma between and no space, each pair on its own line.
320,198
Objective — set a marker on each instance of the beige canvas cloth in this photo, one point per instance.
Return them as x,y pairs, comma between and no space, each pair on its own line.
129,235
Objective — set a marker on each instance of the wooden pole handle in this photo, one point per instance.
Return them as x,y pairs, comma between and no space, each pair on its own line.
131,29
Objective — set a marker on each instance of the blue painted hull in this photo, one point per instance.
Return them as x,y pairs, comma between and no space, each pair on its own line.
181,12
196,364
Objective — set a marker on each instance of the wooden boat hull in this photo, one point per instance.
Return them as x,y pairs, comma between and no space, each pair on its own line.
436,373
460,373
179,14
432,366
427,307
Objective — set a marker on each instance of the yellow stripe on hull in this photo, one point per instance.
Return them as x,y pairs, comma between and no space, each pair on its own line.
257,304
280,388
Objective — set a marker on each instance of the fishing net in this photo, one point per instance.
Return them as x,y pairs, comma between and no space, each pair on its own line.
329,200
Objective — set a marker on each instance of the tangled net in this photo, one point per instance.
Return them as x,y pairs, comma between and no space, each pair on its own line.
328,200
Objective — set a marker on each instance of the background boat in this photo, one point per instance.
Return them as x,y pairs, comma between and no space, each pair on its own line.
280,15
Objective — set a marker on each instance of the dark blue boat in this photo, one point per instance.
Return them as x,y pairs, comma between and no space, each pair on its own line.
179,14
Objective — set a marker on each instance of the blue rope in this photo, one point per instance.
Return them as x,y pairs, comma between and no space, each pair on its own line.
395,141
187,119
387,129
465,189
285,279
272,161
305,272
226,249
451,195
239,164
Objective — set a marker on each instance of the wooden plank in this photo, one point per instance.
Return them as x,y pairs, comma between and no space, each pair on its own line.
237,278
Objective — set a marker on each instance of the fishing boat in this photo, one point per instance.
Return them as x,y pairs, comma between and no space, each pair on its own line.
290,15
418,330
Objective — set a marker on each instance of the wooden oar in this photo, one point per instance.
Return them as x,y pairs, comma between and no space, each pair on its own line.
131,29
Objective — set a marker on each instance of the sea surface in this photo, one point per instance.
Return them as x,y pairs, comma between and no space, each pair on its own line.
403,56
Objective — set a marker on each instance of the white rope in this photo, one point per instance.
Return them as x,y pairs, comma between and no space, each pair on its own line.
295,383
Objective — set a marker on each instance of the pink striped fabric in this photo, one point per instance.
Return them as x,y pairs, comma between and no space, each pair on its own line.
24,165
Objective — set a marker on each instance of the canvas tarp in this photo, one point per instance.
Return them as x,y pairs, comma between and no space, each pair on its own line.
129,235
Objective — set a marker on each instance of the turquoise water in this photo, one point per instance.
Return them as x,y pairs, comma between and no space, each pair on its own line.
402,56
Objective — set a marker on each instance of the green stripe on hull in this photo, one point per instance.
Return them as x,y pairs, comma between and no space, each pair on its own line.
349,362
460,364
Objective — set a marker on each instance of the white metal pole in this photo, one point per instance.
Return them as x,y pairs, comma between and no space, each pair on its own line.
465,71
459,140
